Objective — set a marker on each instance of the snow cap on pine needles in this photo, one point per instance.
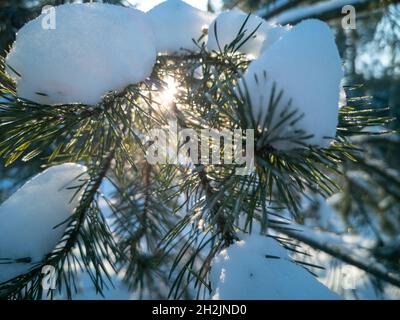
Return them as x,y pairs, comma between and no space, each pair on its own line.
29,217
305,65
257,33
94,49
258,267
176,24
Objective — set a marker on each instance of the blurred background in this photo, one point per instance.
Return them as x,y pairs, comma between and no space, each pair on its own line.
369,205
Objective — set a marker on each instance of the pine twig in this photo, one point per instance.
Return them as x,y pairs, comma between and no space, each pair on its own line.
227,235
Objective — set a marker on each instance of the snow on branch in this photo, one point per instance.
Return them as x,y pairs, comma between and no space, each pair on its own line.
276,7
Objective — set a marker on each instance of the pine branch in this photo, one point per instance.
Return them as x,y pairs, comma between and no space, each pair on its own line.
339,254
272,9
143,212
292,12
216,209
87,232
292,172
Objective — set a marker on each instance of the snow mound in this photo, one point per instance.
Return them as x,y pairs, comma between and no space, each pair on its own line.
258,267
94,49
305,64
229,24
275,33
175,24
28,217
342,97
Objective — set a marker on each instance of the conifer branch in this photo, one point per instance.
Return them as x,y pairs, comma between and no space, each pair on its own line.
339,254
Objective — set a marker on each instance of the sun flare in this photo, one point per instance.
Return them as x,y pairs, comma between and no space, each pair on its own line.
170,91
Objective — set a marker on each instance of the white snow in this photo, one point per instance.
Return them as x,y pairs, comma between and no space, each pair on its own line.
28,217
258,267
276,4
176,24
314,10
320,213
94,49
275,33
346,280
229,23
306,65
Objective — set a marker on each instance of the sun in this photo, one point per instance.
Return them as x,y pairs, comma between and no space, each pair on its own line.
168,95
